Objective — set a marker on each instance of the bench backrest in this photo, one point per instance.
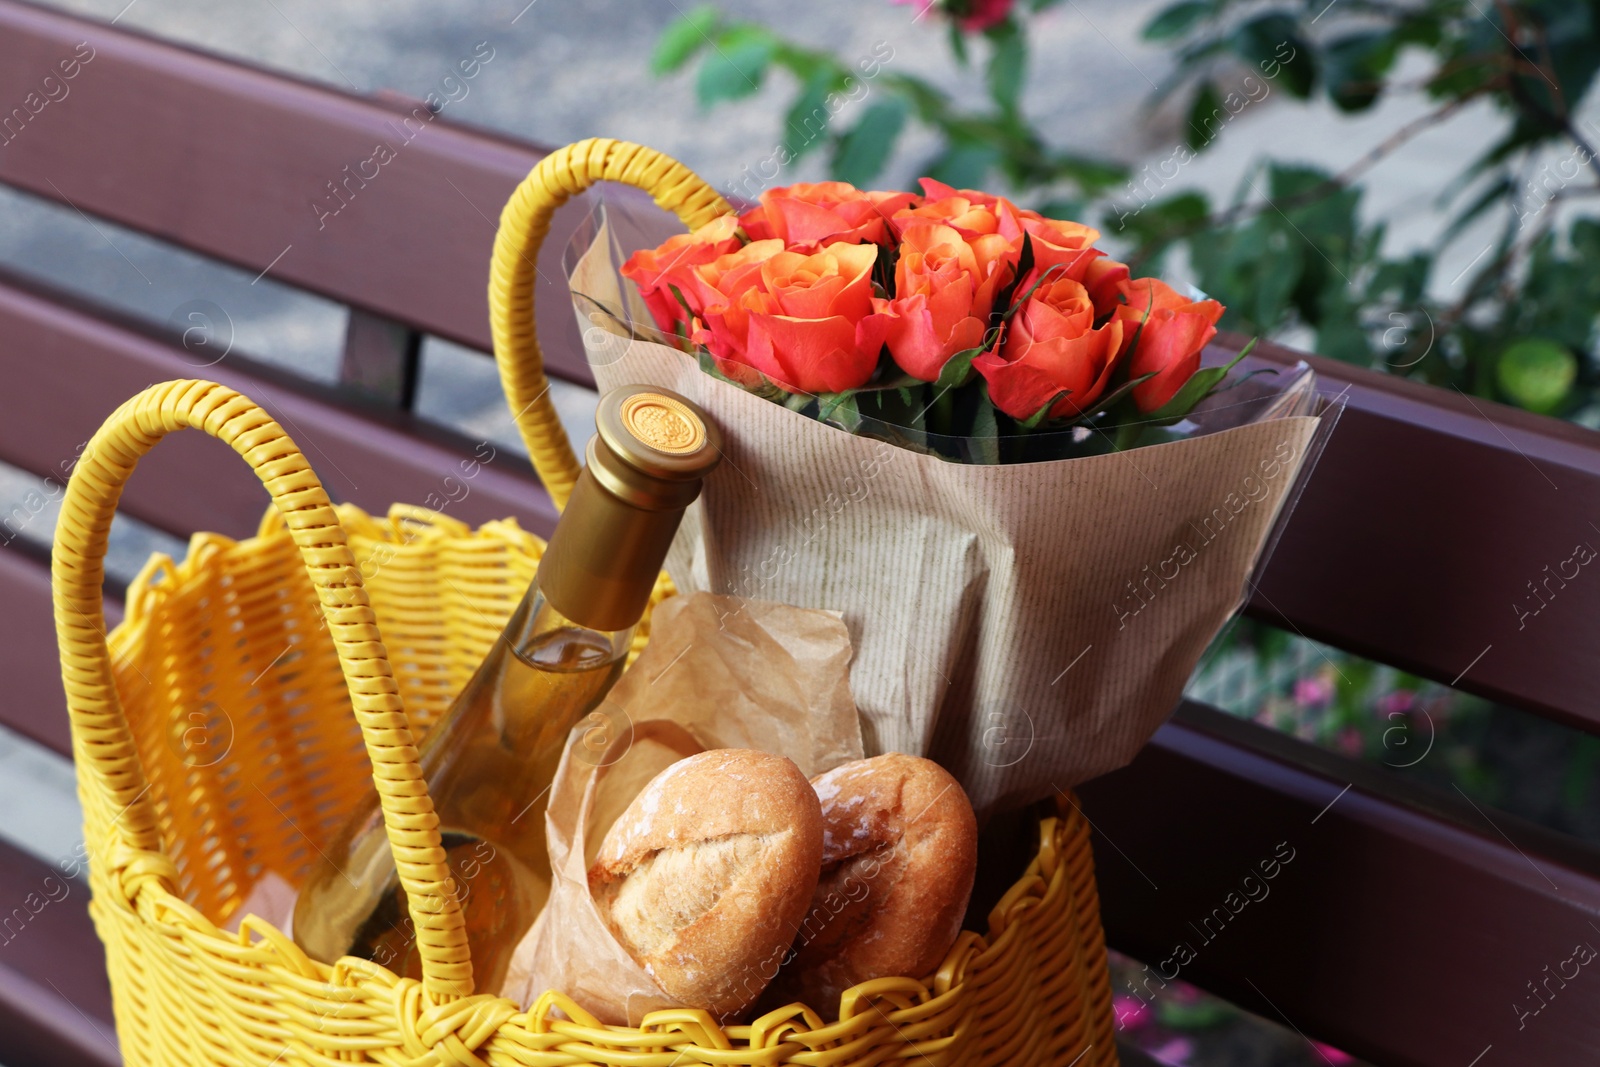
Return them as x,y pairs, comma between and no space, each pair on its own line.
1411,923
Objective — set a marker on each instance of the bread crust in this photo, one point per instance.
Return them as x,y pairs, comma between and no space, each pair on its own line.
900,851
705,877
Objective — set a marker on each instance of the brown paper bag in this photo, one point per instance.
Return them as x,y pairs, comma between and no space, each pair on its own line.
719,672
1029,626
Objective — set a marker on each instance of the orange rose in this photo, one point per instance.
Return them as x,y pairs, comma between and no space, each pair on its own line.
810,215
655,270
973,213
1168,344
944,290
1066,248
1052,346
808,319
723,293
1068,245
934,190
1103,276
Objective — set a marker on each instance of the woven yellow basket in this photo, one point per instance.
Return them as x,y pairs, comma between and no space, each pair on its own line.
224,731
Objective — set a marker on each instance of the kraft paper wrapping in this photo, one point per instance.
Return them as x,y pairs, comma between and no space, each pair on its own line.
1028,626
719,672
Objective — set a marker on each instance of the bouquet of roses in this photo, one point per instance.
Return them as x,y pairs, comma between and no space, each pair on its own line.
1029,613
954,312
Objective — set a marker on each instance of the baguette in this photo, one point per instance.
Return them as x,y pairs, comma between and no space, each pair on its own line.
705,877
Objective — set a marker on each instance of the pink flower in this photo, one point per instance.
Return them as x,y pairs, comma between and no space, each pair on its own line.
1176,1052
1399,702
1331,1054
973,16
1316,692
981,14
1132,1013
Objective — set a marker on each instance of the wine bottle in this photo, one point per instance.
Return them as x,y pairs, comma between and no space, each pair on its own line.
490,760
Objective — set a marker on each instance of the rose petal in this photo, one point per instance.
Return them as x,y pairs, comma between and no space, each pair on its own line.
1170,346
809,355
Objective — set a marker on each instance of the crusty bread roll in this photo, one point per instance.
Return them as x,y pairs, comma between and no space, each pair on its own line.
706,875
900,849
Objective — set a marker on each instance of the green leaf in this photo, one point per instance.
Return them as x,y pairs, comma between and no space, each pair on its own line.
958,44
1062,208
682,38
734,68
1176,21
1008,64
1128,434
862,152
986,428
1537,374
1159,222
806,125
1354,66
1111,399
1499,191
841,409
682,300
957,370
963,165
1090,174
1206,117
709,366
1273,43
1002,297
1199,1015
1196,389
1032,421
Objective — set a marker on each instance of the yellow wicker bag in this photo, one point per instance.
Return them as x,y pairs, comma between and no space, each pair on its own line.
219,734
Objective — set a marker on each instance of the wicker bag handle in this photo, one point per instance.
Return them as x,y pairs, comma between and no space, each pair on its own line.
122,816
524,223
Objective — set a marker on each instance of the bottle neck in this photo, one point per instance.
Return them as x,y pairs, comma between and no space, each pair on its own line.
605,554
543,637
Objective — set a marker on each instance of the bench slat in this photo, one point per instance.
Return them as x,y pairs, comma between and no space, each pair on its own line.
85,366
1403,929
227,160
1424,523
35,704
55,1000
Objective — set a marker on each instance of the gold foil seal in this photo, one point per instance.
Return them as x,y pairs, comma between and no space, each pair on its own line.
663,423
645,464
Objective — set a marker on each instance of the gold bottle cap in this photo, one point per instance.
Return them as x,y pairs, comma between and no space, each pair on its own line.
645,465
664,423
653,447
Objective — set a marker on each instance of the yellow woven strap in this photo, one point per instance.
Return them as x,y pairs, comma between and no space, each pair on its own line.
523,225
108,764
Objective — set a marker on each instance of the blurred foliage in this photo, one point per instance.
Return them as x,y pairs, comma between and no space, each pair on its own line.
1499,756
1179,1023
1291,252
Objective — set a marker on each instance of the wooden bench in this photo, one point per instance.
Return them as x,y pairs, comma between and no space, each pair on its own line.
1404,929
